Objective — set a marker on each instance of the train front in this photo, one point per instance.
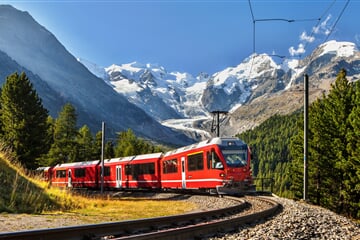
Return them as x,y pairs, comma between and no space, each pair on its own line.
236,157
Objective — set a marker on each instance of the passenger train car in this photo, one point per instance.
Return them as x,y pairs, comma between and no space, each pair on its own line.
216,165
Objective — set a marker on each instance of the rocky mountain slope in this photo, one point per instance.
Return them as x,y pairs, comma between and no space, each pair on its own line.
251,92
322,67
27,46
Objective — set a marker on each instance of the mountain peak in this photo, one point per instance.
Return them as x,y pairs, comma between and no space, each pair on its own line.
341,49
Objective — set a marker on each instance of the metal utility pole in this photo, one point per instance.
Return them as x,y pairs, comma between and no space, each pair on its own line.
217,127
102,155
306,126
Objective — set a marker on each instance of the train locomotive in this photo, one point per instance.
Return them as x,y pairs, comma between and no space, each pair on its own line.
217,165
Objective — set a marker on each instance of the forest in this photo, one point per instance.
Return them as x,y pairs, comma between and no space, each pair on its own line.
333,154
37,139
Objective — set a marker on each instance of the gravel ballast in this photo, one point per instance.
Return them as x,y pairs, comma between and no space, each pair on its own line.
297,220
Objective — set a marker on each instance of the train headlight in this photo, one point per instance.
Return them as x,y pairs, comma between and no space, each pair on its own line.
222,175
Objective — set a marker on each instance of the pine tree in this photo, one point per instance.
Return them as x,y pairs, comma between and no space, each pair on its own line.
332,177
109,147
270,147
109,150
65,147
353,149
86,144
24,119
127,144
338,105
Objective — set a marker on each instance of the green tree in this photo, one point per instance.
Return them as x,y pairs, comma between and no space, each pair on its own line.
109,147
24,119
337,107
109,150
353,148
43,159
270,147
127,144
332,176
86,144
65,147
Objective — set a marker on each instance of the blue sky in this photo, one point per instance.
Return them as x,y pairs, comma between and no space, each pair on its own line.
193,35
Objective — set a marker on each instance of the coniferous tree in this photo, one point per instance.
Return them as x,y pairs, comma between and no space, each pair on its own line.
98,144
271,157
65,147
109,150
353,149
23,119
338,105
86,144
330,173
43,160
127,144
109,147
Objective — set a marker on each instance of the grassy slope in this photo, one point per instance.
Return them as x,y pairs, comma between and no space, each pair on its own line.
18,193
22,194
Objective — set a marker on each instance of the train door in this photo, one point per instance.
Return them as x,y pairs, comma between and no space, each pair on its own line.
69,179
183,174
118,176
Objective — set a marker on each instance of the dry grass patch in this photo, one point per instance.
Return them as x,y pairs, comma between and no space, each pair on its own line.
118,210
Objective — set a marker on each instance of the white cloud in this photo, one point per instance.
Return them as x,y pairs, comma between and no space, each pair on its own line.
324,27
298,51
306,38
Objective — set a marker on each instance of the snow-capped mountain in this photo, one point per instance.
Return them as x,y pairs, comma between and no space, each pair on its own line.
161,94
322,67
33,49
185,102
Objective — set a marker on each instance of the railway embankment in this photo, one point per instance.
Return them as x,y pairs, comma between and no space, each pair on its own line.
298,220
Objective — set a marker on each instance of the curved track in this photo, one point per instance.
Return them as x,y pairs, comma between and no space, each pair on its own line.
186,226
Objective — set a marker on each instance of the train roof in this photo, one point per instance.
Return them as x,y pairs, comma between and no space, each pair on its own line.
42,169
221,141
134,158
78,164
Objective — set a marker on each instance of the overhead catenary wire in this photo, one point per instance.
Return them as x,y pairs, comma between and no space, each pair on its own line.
254,20
318,23
337,20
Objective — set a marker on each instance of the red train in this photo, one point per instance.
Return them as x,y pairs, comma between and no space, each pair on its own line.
216,165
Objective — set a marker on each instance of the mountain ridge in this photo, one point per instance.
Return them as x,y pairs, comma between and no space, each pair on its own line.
37,50
256,78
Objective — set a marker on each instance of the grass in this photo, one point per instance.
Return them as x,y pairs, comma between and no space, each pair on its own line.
20,193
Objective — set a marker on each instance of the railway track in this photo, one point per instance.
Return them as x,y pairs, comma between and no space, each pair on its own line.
186,226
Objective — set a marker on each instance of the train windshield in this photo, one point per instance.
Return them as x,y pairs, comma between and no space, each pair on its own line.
235,158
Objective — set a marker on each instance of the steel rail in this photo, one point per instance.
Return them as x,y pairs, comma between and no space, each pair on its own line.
95,231
199,231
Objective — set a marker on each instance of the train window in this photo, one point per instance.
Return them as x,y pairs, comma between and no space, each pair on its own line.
128,169
80,172
235,158
170,166
60,173
140,169
106,171
213,160
195,162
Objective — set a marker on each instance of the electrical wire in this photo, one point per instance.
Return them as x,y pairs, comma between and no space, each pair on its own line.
337,20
